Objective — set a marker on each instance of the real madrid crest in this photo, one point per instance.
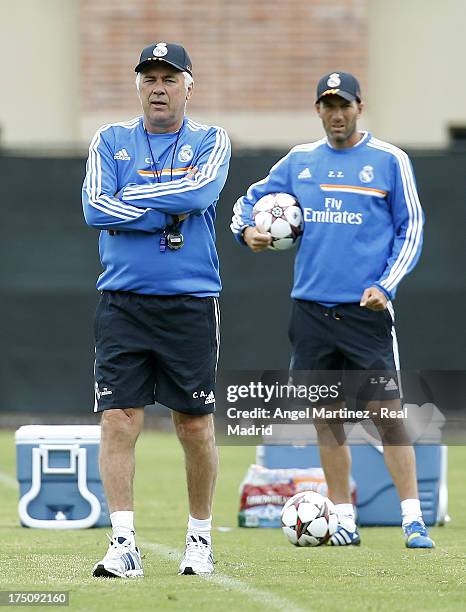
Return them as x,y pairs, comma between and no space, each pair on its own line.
160,50
186,153
334,80
367,174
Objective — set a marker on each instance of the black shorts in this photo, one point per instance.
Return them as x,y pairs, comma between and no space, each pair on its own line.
156,349
347,345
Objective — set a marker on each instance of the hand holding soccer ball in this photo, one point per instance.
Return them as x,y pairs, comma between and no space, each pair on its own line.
256,240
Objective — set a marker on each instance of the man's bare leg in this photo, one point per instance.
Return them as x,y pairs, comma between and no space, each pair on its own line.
197,436
120,430
335,459
401,463
400,460
399,455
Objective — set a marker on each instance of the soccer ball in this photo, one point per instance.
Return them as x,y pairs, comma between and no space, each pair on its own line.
309,519
279,214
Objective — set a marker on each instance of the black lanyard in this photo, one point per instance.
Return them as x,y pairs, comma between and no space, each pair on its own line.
171,236
155,172
158,179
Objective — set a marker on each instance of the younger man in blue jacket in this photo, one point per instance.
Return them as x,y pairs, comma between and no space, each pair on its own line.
362,234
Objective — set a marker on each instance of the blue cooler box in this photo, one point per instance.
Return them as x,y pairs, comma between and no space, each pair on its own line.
58,475
377,499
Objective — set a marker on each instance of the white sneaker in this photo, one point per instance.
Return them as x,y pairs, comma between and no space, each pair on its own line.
123,560
198,557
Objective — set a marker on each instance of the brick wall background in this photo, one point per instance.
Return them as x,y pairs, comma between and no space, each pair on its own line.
248,55
256,63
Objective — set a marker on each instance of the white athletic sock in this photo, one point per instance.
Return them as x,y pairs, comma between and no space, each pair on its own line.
201,526
411,511
345,513
344,510
123,524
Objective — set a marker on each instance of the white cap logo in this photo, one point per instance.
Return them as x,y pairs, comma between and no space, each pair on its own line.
334,80
160,50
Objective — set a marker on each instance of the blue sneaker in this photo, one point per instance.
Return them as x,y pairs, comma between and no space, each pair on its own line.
346,534
417,536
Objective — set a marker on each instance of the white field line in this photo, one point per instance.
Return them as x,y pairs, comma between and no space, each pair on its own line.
266,598
8,481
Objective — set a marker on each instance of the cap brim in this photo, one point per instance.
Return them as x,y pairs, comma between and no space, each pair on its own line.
150,61
338,92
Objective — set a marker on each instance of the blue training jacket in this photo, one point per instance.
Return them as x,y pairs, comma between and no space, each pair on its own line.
362,217
122,193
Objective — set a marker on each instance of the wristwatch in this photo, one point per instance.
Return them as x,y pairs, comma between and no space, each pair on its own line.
243,230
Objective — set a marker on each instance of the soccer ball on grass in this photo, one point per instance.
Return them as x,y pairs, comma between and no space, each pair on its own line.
309,519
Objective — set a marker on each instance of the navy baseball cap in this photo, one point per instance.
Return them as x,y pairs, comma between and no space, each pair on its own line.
171,53
341,84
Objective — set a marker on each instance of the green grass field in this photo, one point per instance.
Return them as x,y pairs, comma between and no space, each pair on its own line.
255,570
